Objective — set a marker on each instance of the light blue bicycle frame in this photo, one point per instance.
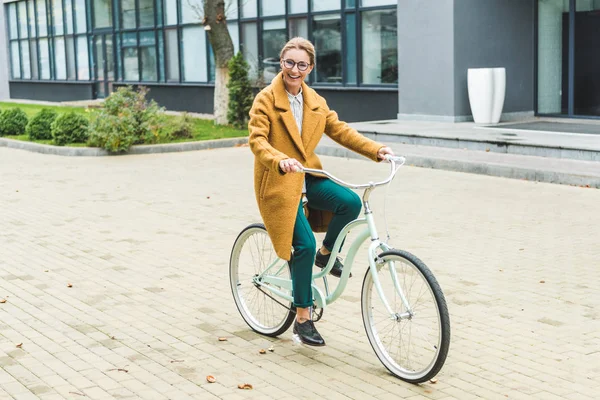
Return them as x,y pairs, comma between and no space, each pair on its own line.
273,282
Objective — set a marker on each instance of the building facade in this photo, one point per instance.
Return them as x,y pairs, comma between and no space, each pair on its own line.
376,59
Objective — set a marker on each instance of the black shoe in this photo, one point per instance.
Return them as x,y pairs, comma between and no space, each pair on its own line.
308,334
321,261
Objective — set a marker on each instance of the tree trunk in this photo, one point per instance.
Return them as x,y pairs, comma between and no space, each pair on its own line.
220,40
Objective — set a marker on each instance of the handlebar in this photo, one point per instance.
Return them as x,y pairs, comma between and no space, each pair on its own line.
393,160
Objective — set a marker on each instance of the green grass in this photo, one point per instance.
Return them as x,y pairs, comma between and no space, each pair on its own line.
202,129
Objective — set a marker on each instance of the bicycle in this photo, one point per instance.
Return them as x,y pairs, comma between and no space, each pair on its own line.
407,299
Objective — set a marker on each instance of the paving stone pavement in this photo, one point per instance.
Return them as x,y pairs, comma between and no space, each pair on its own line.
145,241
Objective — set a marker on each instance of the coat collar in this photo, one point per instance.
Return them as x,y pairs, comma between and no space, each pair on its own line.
281,99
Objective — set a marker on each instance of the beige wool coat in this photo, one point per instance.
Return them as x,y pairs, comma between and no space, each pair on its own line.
273,137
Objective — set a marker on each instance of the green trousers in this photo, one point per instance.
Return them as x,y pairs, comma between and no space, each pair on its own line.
322,194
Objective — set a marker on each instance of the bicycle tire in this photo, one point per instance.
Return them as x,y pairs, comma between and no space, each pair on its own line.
255,304
435,350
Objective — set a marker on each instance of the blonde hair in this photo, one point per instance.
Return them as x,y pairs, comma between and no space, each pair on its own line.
301,44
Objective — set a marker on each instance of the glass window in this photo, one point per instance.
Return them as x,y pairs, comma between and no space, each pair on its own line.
170,12
57,17
41,18
34,59
192,11
352,3
272,7
26,66
60,62
297,6
231,9
298,27
325,5
148,56
44,54
380,47
130,64
15,60
328,44
12,17
80,16
128,14
69,16
373,3
22,19
250,47
351,48
83,62
194,54
249,8
146,12
70,57
102,13
31,19
172,54
274,38
234,32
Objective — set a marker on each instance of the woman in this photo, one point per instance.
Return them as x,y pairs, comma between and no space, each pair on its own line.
287,120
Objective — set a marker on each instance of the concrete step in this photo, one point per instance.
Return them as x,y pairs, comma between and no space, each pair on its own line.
534,168
499,142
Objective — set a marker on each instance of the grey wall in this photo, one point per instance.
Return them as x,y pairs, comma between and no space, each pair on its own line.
361,105
425,57
51,90
4,91
495,33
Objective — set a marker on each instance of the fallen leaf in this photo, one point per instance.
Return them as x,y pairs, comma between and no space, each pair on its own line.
542,281
222,339
487,150
20,345
113,338
78,394
45,270
521,249
211,379
245,386
69,285
501,270
3,301
119,369
262,351
433,380
208,197
174,361
271,349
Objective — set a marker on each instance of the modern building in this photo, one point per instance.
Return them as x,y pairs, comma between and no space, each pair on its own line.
376,59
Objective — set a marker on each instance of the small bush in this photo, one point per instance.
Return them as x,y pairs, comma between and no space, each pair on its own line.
125,119
40,126
13,121
181,128
70,128
240,92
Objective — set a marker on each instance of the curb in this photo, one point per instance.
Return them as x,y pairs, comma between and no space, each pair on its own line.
139,149
491,169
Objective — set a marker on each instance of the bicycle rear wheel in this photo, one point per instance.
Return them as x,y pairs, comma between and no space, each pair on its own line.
411,345
251,255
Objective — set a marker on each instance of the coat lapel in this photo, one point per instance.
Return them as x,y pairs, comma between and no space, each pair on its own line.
283,103
312,118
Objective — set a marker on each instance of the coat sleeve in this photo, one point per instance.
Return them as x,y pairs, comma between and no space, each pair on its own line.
259,128
348,137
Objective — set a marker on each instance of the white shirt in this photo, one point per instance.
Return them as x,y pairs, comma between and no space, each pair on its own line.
297,106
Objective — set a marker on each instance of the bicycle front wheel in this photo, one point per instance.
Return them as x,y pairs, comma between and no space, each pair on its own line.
413,342
253,256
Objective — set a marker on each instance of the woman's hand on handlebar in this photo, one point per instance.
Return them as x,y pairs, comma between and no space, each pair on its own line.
383,152
290,165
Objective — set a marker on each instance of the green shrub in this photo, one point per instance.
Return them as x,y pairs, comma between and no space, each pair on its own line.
240,92
180,128
40,126
70,128
125,119
13,121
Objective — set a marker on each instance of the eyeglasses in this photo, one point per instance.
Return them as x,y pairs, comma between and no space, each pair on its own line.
302,66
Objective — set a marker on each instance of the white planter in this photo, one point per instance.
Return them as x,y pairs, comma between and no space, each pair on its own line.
487,88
